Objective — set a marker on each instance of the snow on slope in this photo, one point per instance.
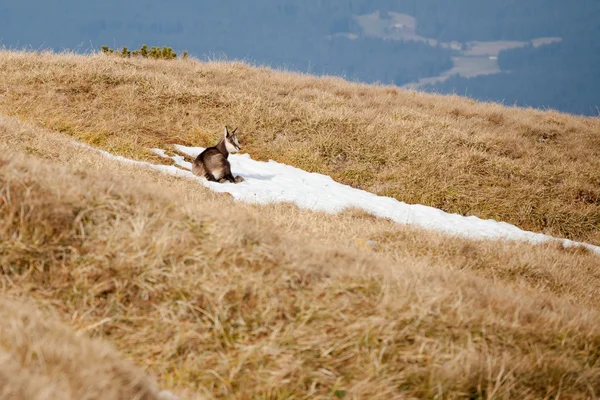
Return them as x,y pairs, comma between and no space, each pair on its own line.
267,182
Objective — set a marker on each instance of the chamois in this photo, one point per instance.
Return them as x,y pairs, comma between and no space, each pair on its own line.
212,163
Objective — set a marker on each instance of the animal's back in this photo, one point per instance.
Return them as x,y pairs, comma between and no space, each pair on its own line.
210,161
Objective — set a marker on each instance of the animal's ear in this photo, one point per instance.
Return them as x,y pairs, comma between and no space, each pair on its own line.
226,132
234,131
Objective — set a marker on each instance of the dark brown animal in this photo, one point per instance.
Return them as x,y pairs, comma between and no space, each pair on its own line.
212,163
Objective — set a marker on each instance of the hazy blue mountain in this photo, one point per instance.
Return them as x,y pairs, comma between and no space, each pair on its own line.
335,37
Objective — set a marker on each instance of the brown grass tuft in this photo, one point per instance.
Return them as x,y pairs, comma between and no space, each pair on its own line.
41,359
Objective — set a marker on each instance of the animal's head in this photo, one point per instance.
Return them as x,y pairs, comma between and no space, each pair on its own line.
231,141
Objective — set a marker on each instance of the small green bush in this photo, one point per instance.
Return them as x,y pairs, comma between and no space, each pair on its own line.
165,53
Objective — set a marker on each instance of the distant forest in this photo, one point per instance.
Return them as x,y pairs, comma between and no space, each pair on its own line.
563,76
288,34
311,36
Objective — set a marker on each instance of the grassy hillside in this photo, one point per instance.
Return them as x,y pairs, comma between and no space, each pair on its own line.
221,299
537,170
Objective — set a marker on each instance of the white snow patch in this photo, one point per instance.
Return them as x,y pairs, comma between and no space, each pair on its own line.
166,395
267,182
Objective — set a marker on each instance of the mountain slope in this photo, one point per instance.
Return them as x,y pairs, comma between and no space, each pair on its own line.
537,170
225,299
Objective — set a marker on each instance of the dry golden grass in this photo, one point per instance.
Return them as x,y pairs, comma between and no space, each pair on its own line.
538,170
43,360
226,300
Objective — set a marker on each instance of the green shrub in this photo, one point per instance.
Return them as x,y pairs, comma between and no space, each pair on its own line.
165,53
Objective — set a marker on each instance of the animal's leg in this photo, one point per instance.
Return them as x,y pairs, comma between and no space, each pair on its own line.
227,174
239,179
210,177
229,177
